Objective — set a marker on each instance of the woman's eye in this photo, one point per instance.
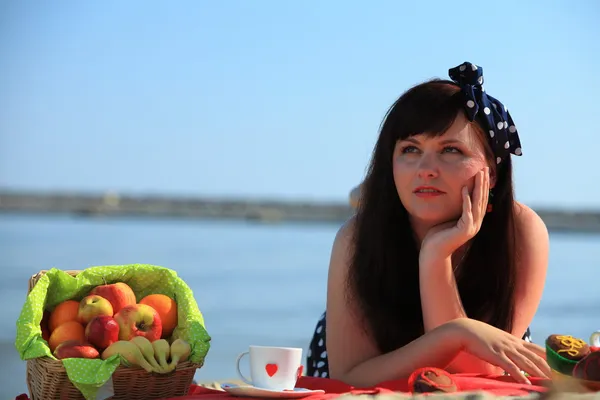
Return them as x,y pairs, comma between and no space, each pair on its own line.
409,149
451,149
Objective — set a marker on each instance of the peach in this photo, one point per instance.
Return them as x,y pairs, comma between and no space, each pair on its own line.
63,312
71,330
75,349
166,308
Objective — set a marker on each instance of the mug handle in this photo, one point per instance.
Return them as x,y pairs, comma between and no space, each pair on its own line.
242,377
595,339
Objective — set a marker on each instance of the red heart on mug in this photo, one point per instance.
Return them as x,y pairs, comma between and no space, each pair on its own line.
271,369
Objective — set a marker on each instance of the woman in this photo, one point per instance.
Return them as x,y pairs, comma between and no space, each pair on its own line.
440,266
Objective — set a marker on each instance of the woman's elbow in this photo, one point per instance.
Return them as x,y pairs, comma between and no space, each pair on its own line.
343,374
337,373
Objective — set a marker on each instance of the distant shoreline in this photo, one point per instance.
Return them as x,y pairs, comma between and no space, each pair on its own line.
267,211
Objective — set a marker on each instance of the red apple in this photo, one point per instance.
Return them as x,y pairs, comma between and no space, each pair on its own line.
139,320
75,349
102,331
119,294
92,306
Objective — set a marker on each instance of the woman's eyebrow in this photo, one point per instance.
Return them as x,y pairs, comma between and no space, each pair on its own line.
411,140
450,141
441,142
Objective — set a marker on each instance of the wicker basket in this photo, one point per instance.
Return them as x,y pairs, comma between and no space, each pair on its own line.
47,378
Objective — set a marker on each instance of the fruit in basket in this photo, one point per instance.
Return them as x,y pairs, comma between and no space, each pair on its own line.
162,352
180,351
63,312
118,294
102,331
44,326
75,349
139,320
71,330
166,308
92,306
147,351
129,352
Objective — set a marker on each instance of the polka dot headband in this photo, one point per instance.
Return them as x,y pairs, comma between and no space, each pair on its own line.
501,129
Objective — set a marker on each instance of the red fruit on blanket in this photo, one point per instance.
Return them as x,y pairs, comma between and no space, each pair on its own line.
426,380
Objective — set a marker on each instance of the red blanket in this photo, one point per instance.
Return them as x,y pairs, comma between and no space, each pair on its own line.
497,385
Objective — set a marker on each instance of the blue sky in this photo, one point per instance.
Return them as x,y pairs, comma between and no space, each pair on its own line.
280,99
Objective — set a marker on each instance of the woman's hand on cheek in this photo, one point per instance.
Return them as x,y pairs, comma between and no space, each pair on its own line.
444,239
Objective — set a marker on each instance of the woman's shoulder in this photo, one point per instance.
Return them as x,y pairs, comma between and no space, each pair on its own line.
342,244
344,235
532,237
346,230
528,222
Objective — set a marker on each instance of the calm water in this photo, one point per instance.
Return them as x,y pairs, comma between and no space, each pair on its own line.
255,284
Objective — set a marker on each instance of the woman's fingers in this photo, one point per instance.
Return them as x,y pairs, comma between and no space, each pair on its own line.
477,197
535,348
467,212
509,366
540,363
486,192
538,360
525,364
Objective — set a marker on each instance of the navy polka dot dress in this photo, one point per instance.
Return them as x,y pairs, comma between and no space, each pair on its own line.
316,359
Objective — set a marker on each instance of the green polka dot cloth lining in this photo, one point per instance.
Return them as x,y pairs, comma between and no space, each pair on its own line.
56,286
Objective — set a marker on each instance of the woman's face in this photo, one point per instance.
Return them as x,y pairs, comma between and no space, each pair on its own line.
429,172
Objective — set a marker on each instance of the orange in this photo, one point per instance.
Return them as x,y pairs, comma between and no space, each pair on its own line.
70,330
166,309
64,312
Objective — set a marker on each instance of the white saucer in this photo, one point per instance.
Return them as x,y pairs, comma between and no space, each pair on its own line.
251,391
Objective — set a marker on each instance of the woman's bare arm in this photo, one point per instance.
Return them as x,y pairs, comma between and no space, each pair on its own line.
532,264
441,301
353,356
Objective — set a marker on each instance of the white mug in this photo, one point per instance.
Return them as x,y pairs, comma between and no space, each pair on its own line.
273,368
595,339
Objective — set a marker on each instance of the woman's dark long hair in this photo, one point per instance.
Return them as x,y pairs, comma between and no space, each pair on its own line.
384,273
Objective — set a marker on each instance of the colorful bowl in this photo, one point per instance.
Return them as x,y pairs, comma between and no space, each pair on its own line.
559,363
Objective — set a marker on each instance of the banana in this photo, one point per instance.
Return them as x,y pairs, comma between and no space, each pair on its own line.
180,351
129,351
147,351
161,353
